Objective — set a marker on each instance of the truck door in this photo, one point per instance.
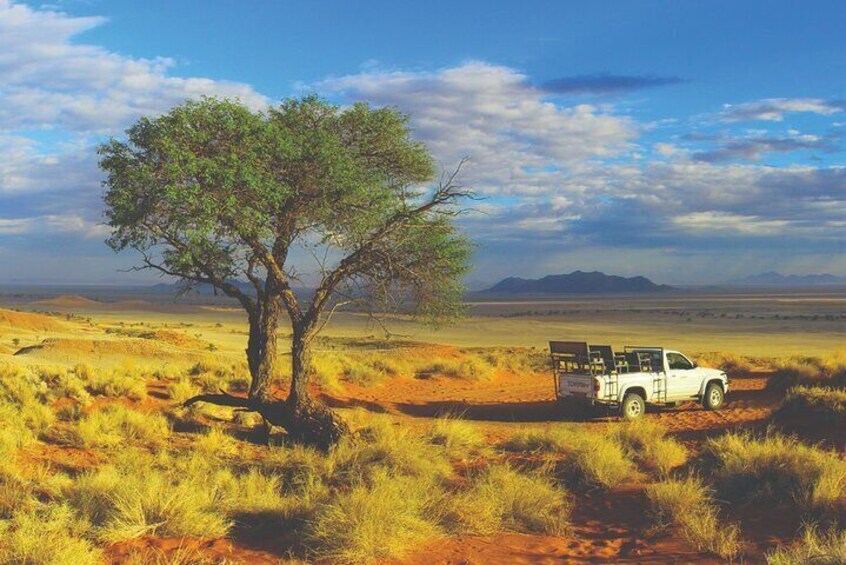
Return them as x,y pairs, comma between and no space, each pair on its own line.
681,379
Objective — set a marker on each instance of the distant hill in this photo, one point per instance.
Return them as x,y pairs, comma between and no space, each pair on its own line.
777,279
577,282
68,301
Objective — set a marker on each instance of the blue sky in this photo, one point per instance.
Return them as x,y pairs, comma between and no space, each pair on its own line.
691,142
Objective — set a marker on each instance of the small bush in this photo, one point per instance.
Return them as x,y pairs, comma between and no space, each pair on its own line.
728,362
49,536
813,547
470,368
125,504
216,442
372,522
776,468
829,371
458,437
686,504
383,446
181,390
502,498
117,385
589,458
646,443
113,425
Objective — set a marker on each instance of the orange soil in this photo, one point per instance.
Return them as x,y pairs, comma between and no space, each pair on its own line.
29,321
606,526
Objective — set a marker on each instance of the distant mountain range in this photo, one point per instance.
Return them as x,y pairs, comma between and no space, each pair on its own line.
777,279
577,282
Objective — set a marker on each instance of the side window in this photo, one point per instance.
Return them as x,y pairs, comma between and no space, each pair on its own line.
679,362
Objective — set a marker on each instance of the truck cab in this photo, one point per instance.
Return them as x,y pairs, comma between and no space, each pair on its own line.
630,379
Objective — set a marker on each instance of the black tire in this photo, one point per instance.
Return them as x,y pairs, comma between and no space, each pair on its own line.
633,407
714,397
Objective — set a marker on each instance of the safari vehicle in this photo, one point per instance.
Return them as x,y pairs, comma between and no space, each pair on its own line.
596,375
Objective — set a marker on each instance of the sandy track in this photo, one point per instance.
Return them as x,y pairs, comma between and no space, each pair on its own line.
607,527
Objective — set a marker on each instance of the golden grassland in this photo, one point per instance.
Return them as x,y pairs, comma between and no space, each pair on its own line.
97,457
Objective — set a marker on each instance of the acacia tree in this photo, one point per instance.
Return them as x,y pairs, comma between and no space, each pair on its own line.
213,193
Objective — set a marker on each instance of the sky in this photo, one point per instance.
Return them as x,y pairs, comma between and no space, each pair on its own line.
688,141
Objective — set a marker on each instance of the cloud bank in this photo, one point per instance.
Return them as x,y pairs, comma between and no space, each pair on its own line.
567,184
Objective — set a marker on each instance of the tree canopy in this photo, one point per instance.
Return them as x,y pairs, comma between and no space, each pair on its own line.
214,193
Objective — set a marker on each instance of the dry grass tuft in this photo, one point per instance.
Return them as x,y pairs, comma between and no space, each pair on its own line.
687,505
646,443
813,547
776,468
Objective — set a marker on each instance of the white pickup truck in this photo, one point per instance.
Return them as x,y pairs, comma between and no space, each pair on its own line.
629,380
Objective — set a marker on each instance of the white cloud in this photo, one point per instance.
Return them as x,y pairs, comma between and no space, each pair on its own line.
723,223
518,141
774,109
48,80
53,224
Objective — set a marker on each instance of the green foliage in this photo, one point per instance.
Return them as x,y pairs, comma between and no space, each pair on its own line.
211,183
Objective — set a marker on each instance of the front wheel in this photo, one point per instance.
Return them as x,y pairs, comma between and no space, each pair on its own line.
633,407
714,397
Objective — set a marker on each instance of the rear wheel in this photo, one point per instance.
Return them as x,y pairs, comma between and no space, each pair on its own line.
714,397
633,407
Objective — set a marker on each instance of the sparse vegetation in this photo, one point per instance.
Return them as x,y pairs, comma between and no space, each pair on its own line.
826,548
647,444
776,469
95,448
686,504
589,458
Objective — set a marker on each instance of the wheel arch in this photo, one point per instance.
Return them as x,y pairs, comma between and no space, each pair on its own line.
708,383
634,389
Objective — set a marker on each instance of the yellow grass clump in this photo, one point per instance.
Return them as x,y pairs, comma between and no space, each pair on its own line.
776,468
686,504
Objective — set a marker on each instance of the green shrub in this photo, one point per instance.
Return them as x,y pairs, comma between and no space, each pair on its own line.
686,504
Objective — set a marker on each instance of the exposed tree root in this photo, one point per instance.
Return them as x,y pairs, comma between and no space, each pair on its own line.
308,423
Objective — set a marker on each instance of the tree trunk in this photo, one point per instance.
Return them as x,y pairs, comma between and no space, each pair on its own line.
307,421
261,350
312,422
